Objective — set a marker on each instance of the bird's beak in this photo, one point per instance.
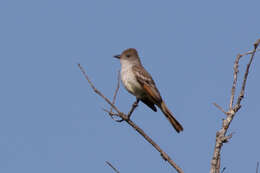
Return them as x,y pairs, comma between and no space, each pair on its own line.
117,56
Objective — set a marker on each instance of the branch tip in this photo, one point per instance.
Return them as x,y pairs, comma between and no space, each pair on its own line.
220,108
221,137
256,44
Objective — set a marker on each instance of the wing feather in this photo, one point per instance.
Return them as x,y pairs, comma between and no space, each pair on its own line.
146,81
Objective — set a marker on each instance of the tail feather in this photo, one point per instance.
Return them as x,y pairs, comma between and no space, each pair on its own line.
177,126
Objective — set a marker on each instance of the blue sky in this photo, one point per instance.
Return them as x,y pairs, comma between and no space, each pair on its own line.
51,121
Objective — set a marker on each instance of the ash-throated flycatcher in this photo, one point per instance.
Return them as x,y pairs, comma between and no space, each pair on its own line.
139,82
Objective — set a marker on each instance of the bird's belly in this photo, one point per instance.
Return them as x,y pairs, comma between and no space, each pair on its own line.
131,84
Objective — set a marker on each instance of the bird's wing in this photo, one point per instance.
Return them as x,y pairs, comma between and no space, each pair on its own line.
146,81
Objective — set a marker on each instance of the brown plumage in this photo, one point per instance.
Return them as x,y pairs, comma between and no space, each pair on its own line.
140,83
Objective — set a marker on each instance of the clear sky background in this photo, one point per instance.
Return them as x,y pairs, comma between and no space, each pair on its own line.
51,121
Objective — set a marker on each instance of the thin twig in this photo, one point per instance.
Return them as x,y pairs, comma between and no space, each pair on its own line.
117,88
131,123
112,167
111,113
242,92
220,108
251,52
257,167
97,91
221,137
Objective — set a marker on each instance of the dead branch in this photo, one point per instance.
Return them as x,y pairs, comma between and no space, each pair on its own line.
117,88
126,118
221,137
112,167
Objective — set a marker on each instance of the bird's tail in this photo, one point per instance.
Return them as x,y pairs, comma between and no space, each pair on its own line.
177,126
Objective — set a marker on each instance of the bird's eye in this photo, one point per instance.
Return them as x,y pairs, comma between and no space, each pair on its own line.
128,55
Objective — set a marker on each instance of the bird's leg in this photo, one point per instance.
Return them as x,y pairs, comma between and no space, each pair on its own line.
135,104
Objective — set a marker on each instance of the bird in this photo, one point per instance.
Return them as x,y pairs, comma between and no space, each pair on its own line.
140,83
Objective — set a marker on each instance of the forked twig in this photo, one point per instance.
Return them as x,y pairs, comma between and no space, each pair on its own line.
221,137
125,117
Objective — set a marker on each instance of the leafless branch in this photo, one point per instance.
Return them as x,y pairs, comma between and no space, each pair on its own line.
233,90
97,91
221,137
116,91
125,117
220,108
257,167
251,52
112,167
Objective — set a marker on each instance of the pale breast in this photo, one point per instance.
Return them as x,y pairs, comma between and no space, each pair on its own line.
130,82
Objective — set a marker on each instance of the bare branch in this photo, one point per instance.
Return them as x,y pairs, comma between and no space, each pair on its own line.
125,117
97,91
221,137
251,52
257,167
242,92
233,90
220,108
112,167
117,88
112,114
